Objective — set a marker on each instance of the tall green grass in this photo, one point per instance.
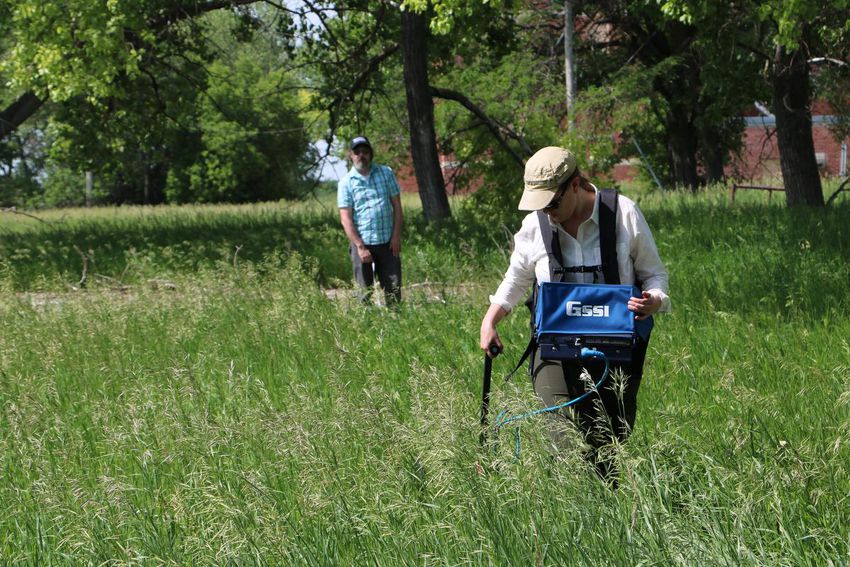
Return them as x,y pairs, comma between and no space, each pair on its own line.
242,416
109,248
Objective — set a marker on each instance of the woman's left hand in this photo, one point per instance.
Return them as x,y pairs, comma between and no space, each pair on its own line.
644,306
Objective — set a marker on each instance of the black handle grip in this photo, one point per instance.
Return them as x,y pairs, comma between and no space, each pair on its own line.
494,349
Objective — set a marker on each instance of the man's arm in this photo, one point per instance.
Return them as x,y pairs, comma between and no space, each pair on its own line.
346,217
398,218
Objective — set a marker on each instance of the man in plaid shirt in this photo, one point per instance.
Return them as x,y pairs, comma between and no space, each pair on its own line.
370,211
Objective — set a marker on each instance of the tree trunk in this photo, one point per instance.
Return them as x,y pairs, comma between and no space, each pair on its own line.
800,173
713,155
680,91
420,113
682,147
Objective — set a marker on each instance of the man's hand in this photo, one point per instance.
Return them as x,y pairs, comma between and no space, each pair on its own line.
644,306
395,245
365,255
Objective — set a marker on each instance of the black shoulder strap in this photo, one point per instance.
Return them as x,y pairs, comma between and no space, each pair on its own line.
553,248
608,247
556,274
608,235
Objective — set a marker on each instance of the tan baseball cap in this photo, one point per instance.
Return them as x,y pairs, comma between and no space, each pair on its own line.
545,171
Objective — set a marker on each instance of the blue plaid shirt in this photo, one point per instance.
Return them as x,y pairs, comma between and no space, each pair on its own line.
369,200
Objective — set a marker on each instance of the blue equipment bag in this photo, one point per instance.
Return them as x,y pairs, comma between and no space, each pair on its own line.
569,317
603,321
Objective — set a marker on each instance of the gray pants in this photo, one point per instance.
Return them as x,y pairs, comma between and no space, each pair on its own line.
602,417
388,268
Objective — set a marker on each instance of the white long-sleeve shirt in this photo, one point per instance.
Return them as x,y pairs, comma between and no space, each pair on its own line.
637,256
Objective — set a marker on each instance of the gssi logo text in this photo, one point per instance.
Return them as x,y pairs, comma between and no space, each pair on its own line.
576,309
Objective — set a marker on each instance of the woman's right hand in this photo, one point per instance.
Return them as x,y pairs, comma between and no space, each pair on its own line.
490,337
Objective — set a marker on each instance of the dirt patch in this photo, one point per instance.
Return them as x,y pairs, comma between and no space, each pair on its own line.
56,299
424,292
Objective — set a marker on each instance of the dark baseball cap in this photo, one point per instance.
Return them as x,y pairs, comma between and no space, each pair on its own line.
360,141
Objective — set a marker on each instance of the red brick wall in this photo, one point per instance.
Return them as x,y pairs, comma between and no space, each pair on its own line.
760,157
826,144
407,177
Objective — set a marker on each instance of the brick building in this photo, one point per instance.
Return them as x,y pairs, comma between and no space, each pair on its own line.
450,166
760,156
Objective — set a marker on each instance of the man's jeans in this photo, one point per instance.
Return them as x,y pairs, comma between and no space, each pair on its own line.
388,268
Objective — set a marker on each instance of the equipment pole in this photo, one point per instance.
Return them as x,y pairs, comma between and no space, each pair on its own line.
485,394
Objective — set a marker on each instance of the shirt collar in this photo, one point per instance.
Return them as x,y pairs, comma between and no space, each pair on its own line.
353,171
594,215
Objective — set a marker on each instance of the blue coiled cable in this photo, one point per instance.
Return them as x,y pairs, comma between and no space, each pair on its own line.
502,420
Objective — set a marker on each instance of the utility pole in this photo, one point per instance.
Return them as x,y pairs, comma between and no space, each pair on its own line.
569,59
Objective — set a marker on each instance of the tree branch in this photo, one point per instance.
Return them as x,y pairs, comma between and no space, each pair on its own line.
18,112
841,188
495,128
357,84
195,9
15,211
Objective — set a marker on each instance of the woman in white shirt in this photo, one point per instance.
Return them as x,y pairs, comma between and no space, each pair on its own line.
554,185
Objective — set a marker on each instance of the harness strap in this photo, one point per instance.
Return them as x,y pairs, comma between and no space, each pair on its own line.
529,350
556,274
608,235
553,247
582,269
607,207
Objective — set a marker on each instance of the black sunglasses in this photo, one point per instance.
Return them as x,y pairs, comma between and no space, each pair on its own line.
553,204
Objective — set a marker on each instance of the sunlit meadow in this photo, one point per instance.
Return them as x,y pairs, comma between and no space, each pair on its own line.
197,385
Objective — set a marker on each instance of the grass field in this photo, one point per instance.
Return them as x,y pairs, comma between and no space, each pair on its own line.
198,398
